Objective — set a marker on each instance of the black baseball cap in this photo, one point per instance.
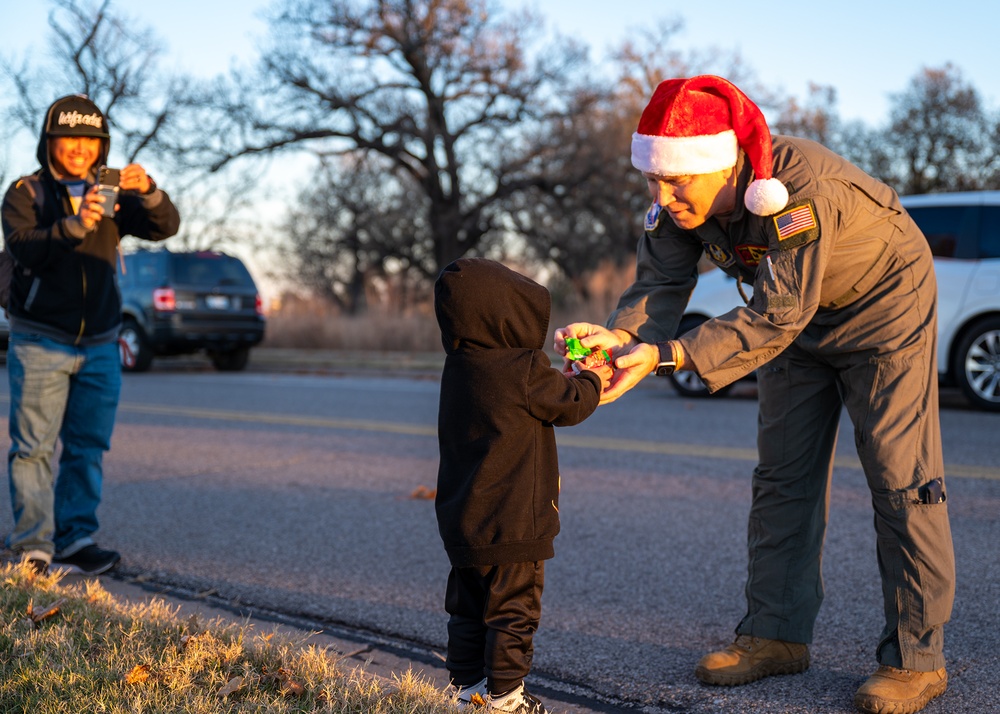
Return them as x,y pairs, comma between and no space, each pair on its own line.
76,115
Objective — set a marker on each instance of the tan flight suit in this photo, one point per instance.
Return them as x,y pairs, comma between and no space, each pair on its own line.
843,313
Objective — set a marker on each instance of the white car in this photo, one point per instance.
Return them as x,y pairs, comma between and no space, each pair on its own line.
963,230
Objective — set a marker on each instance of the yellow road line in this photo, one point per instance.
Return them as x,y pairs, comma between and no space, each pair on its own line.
748,455
565,440
290,420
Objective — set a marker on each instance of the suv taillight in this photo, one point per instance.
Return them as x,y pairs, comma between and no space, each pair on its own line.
164,300
259,305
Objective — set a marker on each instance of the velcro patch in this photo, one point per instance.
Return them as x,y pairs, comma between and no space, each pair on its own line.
796,225
718,255
778,303
751,254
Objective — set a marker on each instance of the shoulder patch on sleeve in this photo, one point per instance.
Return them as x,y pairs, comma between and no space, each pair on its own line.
652,217
796,225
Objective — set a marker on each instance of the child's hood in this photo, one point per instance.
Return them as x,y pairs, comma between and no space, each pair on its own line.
482,304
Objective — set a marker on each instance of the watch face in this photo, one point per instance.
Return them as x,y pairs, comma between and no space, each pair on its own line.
665,370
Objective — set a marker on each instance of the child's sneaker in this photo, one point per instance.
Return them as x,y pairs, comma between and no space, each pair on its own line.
473,695
515,702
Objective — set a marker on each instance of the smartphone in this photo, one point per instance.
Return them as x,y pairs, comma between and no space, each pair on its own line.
107,186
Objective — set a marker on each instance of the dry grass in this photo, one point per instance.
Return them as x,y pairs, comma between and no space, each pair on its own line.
71,649
310,323
304,323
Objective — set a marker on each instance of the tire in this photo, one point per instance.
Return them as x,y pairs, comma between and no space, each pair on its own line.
231,360
133,347
687,383
977,364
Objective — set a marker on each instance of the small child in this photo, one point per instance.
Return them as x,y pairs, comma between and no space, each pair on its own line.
498,480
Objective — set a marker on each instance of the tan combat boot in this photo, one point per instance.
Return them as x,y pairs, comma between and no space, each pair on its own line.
751,658
899,691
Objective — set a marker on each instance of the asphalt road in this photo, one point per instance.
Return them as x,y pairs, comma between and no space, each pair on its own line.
302,494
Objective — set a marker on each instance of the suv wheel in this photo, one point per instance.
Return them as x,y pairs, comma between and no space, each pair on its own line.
687,383
231,360
977,364
133,347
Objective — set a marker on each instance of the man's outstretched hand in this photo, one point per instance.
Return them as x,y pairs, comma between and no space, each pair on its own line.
630,369
632,361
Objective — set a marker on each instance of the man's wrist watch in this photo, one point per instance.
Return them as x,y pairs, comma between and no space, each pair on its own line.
668,363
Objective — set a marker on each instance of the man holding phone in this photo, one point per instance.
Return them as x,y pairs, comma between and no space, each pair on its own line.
64,306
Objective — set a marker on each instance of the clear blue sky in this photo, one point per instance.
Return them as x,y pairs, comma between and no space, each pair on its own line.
865,49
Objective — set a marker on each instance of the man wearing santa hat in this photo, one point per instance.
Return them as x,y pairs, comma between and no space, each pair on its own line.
843,314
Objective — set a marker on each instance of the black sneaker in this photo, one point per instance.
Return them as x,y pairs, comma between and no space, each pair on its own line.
89,560
38,566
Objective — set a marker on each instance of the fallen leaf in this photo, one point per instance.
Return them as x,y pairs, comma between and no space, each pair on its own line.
231,686
138,674
422,492
50,611
289,687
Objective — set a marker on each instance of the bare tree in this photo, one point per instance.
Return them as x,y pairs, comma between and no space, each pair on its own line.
814,119
349,224
940,138
442,90
95,49
102,54
595,219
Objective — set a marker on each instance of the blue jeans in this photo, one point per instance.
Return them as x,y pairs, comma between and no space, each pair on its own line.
69,392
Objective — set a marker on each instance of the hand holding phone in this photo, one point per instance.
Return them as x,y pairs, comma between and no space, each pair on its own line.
107,186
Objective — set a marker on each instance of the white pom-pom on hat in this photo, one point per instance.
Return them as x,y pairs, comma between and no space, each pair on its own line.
765,197
697,126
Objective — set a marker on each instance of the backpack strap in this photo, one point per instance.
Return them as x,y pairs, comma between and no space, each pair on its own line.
34,188
7,262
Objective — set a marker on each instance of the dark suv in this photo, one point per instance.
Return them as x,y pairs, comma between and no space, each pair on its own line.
181,303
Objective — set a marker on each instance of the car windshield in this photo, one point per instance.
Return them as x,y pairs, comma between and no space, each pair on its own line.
201,269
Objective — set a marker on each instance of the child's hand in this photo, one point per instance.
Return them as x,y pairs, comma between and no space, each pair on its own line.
605,372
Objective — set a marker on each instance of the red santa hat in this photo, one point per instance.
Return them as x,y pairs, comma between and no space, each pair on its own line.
697,126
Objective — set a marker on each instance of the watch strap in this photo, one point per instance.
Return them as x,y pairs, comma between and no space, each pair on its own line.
668,359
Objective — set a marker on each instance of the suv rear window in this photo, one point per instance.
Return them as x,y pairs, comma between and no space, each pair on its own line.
950,230
200,269
989,236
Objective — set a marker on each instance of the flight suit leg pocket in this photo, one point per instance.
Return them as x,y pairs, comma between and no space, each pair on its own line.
892,437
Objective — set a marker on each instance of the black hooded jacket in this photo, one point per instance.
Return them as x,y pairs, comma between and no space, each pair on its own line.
498,479
64,284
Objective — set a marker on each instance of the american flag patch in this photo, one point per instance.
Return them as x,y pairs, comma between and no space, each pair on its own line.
795,221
